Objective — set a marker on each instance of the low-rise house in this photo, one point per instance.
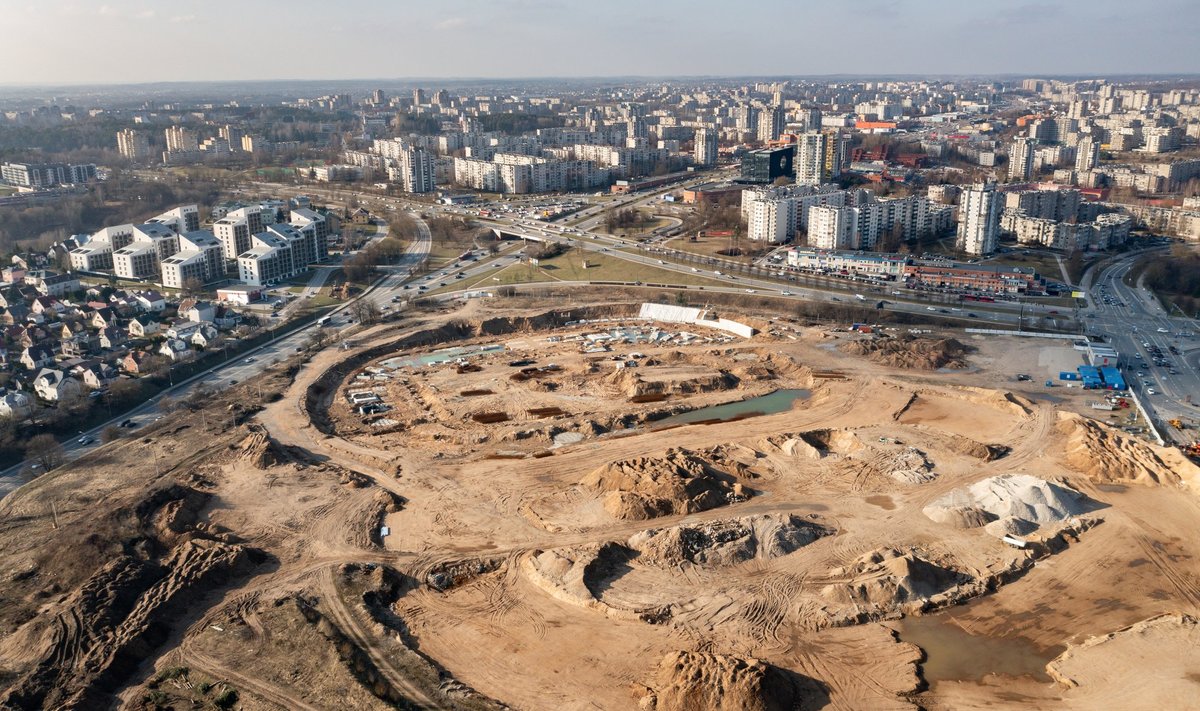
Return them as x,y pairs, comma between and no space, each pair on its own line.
98,375
134,362
53,385
15,405
79,346
177,350
102,318
143,327
150,301
198,311
111,337
48,305
204,336
35,357
183,330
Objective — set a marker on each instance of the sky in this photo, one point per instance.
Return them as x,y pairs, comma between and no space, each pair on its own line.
135,41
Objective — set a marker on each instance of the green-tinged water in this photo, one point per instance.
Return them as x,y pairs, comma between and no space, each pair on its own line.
778,401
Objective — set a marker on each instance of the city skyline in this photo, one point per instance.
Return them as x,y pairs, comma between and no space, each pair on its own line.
223,41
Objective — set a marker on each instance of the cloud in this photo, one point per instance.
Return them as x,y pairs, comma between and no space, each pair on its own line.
183,18
450,23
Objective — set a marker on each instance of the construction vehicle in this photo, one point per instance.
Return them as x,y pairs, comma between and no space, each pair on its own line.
1176,423
1192,450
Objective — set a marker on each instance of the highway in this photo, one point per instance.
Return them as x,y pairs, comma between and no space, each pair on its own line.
1133,320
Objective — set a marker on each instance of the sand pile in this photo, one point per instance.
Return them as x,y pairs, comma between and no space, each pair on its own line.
726,542
816,444
1015,496
690,681
679,482
1148,665
911,352
1106,455
888,578
959,516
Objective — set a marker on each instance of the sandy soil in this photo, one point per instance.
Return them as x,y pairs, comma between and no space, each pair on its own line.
763,562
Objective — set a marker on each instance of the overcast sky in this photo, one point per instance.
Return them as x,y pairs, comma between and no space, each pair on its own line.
127,41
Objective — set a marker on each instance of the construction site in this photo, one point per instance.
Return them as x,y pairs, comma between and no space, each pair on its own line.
511,505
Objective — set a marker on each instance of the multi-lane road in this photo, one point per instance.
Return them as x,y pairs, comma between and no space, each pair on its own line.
1134,322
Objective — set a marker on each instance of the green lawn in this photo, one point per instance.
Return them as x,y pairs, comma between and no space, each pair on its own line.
1044,264
569,267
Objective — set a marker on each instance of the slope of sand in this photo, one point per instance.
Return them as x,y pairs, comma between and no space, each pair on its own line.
1149,665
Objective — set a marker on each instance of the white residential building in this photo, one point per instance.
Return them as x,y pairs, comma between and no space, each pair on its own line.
979,219
705,151
1020,159
235,229
199,258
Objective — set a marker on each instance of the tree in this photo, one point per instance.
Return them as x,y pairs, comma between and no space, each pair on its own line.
110,433
46,451
365,311
193,286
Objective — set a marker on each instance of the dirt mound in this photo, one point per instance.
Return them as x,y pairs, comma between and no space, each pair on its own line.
631,383
259,449
688,681
1106,455
109,624
971,448
1018,496
890,579
679,482
1102,673
816,444
911,352
576,574
727,542
909,466
451,574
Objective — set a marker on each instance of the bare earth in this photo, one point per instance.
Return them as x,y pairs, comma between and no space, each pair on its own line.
552,544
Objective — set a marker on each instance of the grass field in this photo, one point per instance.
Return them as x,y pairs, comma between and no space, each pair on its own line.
569,267
1044,264
709,246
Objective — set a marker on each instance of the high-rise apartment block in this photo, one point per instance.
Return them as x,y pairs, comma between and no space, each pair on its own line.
979,219
705,151
133,145
1020,159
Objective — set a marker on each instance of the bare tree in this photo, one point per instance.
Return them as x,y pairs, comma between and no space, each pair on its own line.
365,311
46,451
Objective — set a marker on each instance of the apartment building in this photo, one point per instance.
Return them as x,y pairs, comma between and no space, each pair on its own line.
705,150
185,218
979,219
236,228
134,145
279,252
46,175
1020,159
199,258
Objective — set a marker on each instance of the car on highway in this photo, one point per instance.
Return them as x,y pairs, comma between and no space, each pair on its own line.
1164,330
1151,391
128,424
85,440
250,359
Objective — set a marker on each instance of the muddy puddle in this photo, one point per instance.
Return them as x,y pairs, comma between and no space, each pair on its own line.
883,502
954,654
